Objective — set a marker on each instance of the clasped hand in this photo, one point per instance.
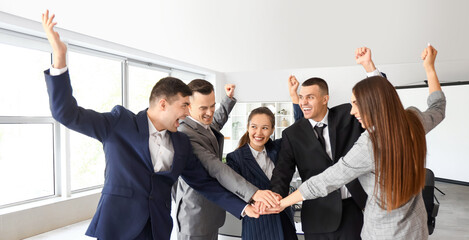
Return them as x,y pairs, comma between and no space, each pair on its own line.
265,202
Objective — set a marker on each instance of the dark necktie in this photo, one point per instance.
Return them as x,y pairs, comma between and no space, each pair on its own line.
319,130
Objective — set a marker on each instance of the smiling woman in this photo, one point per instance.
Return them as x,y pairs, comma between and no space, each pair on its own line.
255,160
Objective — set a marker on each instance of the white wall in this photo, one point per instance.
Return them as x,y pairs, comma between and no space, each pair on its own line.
448,143
272,85
246,35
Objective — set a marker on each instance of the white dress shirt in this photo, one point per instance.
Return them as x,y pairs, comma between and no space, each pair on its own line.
264,161
161,148
343,190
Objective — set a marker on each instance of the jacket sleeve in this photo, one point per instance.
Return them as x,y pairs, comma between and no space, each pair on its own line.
198,178
64,109
221,114
284,170
297,113
226,176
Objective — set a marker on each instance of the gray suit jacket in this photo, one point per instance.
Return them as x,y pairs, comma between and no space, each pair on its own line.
196,215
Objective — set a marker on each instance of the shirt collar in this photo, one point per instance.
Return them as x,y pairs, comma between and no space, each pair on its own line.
152,130
201,124
323,121
256,153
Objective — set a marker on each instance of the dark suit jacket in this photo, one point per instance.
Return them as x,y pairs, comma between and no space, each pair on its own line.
268,227
133,193
301,149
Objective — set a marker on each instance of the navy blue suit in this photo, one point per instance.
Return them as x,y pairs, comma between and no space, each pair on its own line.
134,197
268,227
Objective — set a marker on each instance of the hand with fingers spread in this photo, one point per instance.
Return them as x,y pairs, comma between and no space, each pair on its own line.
58,47
269,198
293,89
229,89
363,57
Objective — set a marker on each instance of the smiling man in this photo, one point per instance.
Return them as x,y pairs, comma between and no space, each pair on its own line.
144,154
198,218
314,143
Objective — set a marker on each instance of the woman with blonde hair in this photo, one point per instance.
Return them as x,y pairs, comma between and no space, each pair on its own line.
388,158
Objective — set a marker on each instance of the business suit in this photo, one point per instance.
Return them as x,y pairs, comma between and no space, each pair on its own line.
302,149
266,227
134,197
196,216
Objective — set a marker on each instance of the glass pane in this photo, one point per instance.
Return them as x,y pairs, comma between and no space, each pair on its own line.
86,161
141,82
96,85
23,91
96,81
26,162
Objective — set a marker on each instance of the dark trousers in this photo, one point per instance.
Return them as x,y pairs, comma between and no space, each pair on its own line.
350,225
289,231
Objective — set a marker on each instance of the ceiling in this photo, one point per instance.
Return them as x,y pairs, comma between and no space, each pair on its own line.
239,36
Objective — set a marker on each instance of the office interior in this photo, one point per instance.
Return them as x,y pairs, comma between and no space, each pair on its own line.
51,178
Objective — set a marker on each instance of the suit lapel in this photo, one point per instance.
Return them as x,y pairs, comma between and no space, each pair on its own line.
219,140
144,135
252,164
271,151
205,132
332,133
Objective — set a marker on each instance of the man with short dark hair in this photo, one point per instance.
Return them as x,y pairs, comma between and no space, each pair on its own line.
198,218
144,153
314,143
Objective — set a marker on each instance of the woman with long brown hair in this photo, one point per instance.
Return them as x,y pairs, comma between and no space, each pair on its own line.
388,158
255,160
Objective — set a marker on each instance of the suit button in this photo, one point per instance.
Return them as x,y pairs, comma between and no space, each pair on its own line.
151,198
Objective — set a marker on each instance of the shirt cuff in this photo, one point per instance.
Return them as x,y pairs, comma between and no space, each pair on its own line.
243,213
56,72
376,72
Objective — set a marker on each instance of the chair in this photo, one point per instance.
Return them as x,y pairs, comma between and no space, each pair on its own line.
429,199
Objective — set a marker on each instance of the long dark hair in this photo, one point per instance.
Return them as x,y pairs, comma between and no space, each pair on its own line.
260,110
398,140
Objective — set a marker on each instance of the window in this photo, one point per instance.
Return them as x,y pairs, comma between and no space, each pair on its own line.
26,128
26,162
96,83
39,158
141,81
23,91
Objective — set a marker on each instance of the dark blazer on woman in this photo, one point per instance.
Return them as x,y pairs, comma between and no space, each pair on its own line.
268,227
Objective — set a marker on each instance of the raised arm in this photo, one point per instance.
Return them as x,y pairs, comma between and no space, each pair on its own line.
220,117
59,49
436,101
293,88
363,57
428,57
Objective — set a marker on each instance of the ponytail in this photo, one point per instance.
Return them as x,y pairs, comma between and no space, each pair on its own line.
244,139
